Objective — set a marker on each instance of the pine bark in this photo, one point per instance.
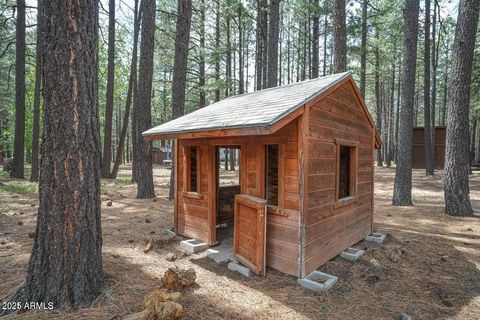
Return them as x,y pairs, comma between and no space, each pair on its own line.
273,43
402,193
132,82
37,97
241,79
145,188
435,48
201,63
107,130
378,103
65,266
457,164
184,16
315,40
339,37
17,169
325,38
264,30
363,49
217,51
429,165
179,81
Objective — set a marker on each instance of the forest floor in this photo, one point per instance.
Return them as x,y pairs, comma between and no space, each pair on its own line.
437,275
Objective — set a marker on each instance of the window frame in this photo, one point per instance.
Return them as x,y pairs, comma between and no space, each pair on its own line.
187,172
353,145
279,208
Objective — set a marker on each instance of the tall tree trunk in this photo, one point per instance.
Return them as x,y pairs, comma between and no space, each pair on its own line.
17,170
107,130
445,88
217,50
315,40
228,63
259,42
325,38
241,84
429,161
132,82
37,96
145,188
402,192
363,50
65,266
339,37
273,43
457,164
435,48
397,115
390,117
378,104
201,67
179,81
264,30
477,140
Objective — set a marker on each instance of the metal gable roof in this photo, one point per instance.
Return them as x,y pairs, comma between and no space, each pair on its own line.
256,109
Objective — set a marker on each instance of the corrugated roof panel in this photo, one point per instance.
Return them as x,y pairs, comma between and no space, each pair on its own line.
259,108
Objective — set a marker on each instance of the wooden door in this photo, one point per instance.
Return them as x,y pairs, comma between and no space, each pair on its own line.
249,236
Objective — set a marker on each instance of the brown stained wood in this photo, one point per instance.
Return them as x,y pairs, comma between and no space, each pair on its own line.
319,167
191,232
194,222
323,117
327,134
283,264
282,248
326,248
250,250
291,167
292,201
321,149
193,210
291,150
176,185
288,217
336,222
282,232
291,184
317,198
321,182
212,196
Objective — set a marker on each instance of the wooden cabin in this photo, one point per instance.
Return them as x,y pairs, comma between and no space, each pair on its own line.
159,155
305,188
418,147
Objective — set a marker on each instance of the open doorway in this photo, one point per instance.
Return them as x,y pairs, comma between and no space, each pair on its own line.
228,185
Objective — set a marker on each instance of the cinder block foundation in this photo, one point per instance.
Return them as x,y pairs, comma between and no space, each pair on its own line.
376,237
193,246
220,256
318,281
236,266
352,254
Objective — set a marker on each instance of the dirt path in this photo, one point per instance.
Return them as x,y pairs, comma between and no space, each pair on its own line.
436,277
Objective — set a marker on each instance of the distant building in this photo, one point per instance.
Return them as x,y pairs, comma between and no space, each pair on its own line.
161,154
418,147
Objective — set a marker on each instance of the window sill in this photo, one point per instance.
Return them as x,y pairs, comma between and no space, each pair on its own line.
192,195
344,202
276,211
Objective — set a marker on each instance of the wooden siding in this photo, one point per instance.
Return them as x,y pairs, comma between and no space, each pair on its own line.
330,226
194,210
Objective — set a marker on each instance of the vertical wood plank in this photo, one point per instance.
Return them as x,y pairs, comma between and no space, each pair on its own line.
303,133
212,194
176,192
